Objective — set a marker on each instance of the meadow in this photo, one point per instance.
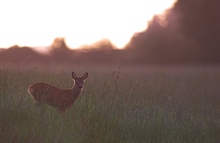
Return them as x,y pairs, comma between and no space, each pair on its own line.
117,105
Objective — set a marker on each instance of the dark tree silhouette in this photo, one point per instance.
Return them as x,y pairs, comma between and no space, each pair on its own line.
59,51
191,36
16,54
200,20
59,44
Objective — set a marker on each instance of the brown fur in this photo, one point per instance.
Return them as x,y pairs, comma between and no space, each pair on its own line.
57,97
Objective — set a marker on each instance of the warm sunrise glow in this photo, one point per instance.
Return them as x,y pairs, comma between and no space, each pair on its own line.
38,22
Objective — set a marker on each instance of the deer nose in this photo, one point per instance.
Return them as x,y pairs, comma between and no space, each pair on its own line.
80,86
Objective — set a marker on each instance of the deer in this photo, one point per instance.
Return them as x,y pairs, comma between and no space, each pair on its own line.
59,98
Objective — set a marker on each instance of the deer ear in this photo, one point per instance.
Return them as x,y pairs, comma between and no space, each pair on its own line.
85,76
74,75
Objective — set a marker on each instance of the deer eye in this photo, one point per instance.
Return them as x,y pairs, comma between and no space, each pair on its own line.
77,82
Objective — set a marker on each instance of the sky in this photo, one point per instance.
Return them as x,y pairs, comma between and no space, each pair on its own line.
36,23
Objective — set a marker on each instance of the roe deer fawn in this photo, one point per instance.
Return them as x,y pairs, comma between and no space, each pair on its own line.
56,97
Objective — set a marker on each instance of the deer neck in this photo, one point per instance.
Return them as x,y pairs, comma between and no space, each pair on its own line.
76,91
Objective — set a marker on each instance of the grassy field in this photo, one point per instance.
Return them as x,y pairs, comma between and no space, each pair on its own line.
117,105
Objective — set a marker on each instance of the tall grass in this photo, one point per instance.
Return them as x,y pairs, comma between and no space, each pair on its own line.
137,106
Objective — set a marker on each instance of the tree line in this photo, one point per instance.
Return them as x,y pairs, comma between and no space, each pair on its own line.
188,35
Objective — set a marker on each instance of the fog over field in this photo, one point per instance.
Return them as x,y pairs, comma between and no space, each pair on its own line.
162,86
116,105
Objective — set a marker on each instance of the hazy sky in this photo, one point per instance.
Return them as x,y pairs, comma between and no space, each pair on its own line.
38,22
